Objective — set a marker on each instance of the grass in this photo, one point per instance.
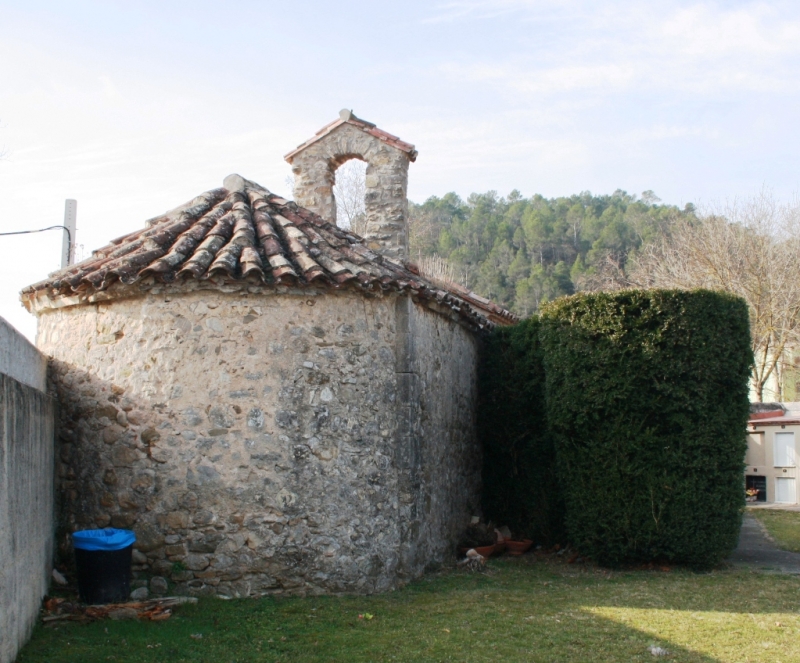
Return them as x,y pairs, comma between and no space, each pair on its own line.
521,610
783,526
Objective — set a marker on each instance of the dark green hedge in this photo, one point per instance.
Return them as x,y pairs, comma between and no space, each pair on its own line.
647,400
520,488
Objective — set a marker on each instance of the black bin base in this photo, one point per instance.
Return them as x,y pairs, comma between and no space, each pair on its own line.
104,576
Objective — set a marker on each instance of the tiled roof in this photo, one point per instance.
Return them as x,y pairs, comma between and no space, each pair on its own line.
347,117
774,414
244,232
775,421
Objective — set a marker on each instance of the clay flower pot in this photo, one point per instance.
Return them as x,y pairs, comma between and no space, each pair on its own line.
485,551
499,542
518,547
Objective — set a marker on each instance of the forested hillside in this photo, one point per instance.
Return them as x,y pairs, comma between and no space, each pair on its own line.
521,252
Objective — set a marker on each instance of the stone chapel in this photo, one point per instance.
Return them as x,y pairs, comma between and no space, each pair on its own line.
272,403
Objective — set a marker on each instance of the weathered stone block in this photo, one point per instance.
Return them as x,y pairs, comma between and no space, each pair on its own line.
122,520
158,585
195,562
147,537
150,436
177,520
123,456
112,433
106,410
143,480
204,517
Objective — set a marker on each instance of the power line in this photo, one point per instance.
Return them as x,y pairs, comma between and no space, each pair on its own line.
41,230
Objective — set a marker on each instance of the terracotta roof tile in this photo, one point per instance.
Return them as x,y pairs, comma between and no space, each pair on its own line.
243,231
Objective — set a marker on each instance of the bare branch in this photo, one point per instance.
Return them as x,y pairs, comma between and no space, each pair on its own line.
750,248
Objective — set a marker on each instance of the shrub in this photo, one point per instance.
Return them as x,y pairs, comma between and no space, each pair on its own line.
647,395
519,483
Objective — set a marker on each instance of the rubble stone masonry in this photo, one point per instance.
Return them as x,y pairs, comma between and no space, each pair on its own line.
385,200
266,442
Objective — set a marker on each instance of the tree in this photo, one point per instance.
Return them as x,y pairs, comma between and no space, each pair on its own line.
750,248
510,248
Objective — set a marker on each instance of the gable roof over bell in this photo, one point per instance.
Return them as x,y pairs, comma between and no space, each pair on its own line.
347,117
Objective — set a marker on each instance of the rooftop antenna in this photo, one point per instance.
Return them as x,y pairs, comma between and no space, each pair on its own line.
70,226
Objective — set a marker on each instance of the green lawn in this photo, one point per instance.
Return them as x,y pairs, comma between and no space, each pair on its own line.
521,610
783,526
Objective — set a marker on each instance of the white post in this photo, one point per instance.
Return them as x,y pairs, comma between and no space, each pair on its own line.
70,223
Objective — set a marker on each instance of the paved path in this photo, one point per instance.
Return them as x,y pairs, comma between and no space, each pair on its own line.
757,551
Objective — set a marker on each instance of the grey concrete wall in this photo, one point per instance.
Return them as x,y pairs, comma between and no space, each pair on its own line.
20,360
26,505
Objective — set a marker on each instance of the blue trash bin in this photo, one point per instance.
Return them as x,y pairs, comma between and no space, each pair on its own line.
103,561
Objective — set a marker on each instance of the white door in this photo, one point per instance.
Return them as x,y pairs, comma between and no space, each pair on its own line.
784,450
785,490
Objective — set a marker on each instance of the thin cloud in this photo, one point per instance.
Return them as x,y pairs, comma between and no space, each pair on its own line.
699,49
489,9
756,30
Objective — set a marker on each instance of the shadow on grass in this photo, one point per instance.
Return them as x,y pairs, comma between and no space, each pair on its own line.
522,610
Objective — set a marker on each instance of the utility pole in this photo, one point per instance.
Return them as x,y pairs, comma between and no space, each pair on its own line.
70,226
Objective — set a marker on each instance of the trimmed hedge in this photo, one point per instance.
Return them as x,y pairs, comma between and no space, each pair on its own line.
520,488
647,400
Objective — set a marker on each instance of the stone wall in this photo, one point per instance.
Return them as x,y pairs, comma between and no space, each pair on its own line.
264,442
437,445
386,185
26,499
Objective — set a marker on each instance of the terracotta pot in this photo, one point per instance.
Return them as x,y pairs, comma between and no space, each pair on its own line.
499,542
518,547
486,551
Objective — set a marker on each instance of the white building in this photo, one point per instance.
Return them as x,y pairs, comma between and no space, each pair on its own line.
771,461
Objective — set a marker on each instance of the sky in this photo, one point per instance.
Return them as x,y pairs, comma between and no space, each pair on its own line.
134,108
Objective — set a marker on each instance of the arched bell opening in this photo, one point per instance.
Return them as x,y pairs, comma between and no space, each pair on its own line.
349,193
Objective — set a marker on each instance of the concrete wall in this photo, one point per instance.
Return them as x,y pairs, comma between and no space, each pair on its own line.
20,360
266,442
26,492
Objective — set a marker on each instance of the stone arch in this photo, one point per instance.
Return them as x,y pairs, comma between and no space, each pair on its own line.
349,192
314,166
